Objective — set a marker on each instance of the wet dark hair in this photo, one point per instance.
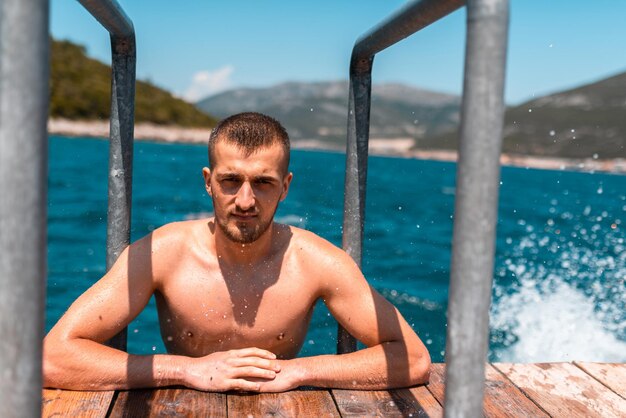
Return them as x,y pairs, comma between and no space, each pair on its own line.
249,131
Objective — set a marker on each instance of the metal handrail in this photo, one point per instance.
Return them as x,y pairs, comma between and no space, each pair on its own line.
478,175
24,69
24,74
410,19
112,17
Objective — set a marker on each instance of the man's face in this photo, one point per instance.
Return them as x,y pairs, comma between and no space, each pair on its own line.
246,189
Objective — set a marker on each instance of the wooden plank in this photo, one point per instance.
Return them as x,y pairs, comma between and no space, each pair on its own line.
409,402
180,402
296,403
62,403
612,375
501,397
436,383
564,390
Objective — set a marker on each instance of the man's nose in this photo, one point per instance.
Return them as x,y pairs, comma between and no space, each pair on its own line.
245,197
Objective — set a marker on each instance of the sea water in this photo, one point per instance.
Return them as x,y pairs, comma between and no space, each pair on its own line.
559,288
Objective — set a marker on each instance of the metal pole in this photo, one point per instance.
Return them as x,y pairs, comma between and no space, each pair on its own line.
24,46
478,176
356,172
120,156
407,21
113,18
110,15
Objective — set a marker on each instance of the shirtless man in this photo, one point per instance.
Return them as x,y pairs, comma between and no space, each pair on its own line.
235,294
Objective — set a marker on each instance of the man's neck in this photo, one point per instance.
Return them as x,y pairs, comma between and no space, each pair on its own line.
251,254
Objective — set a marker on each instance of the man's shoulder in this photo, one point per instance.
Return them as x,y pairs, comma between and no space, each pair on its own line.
314,247
318,259
174,235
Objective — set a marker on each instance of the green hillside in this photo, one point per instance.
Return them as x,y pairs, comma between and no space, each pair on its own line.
80,89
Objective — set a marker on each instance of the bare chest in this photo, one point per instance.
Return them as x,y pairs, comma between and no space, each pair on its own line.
203,312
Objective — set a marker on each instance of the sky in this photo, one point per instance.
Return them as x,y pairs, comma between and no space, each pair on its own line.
196,48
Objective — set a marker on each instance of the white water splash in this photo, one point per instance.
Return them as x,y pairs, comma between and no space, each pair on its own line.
562,325
561,293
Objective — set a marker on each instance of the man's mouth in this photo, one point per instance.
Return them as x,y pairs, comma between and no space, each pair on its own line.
243,216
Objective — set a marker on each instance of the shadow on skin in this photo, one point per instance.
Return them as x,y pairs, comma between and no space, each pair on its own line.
387,319
245,287
139,265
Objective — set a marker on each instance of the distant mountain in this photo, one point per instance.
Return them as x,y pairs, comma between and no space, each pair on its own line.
583,122
320,110
578,123
80,88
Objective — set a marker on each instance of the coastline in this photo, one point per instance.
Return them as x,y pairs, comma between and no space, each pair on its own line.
398,147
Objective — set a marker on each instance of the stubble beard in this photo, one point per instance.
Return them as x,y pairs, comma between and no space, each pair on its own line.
243,232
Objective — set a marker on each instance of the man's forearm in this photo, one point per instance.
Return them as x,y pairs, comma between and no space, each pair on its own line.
384,366
87,365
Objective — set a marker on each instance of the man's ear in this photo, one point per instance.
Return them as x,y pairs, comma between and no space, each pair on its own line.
286,182
206,173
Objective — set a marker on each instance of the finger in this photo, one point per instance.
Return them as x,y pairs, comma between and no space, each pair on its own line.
253,372
254,351
260,363
242,384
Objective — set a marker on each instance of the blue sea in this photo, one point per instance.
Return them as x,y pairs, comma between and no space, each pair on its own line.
559,283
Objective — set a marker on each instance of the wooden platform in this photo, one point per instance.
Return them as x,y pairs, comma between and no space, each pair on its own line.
512,390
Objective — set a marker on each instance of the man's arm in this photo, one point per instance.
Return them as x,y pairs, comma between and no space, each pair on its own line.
76,358
394,357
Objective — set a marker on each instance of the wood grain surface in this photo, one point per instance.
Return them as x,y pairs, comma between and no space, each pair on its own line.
179,402
611,375
299,403
73,403
413,402
501,399
564,390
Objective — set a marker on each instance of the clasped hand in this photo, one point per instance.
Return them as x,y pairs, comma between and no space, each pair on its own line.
249,369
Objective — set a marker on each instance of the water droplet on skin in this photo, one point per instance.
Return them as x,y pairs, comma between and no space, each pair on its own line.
280,336
170,338
189,334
